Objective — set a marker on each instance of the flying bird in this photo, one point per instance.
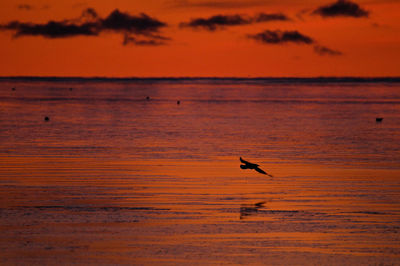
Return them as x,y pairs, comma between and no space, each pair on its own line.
248,165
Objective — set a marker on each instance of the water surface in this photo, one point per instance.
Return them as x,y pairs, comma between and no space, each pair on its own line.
114,178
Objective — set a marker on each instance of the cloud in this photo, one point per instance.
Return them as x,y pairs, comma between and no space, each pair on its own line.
90,24
214,4
217,21
143,42
344,8
281,37
150,40
263,17
25,7
89,14
322,50
278,37
51,29
221,21
123,22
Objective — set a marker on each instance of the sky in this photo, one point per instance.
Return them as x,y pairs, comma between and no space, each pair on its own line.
200,38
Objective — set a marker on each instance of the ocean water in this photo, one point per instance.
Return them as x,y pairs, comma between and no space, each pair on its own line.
115,178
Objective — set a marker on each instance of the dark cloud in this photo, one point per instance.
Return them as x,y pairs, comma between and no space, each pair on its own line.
215,4
344,8
142,42
89,14
281,37
51,29
220,21
322,50
123,22
90,24
25,7
262,17
149,40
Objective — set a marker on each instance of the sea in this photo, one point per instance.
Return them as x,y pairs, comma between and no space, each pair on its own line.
146,171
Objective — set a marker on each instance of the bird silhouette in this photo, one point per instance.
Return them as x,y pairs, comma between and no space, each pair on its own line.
248,165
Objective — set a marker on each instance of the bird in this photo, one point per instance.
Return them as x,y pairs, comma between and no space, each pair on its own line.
379,119
248,165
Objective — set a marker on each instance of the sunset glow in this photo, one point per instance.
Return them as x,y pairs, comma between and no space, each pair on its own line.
200,38
200,132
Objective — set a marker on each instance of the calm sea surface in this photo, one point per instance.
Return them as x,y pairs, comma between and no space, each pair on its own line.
115,178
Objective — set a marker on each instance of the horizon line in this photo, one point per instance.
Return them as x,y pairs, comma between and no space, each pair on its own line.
200,77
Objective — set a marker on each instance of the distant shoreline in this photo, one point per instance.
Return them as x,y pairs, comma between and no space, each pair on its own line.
216,79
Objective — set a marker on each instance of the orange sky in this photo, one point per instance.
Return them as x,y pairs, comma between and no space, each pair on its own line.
369,45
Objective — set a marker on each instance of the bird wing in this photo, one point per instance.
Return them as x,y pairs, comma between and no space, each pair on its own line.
248,163
243,161
262,171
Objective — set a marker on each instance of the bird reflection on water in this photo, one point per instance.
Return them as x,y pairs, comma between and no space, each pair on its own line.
250,209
